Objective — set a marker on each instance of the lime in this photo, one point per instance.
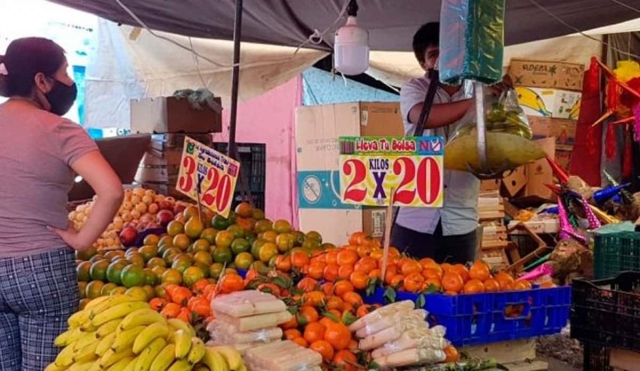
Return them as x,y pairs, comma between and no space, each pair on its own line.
200,245
255,247
82,288
180,264
94,289
172,276
202,257
218,222
132,275
240,245
267,251
174,228
222,254
151,240
87,254
156,262
215,269
224,238
263,226
170,254
165,241
150,278
243,260
107,289
98,270
148,252
236,230
150,291
83,269
194,227
114,271
209,234
181,241
314,236
192,275
96,258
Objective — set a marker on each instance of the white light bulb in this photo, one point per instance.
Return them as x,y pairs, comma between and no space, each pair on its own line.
351,50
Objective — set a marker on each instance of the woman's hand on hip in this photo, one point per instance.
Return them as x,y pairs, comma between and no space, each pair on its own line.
72,238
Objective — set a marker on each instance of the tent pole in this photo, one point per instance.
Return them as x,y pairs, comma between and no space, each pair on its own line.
235,80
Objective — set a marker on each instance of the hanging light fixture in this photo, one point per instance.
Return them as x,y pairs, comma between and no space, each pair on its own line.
351,49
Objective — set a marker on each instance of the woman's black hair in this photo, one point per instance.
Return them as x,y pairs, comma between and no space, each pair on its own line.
24,59
428,35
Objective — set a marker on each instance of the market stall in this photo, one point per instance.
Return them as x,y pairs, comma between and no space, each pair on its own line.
197,280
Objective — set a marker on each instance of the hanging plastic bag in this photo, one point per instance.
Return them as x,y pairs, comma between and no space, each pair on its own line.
508,137
471,40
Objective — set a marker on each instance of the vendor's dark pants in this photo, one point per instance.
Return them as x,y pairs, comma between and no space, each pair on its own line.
443,249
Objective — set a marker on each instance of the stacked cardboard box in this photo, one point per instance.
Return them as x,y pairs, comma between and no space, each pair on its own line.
550,94
169,120
317,131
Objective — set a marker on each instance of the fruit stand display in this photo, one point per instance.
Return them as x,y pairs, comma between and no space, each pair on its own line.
196,257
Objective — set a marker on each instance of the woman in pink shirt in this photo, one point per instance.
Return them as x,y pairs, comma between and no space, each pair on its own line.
39,154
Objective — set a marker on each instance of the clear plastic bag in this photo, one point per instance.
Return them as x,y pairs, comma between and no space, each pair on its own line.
471,40
508,137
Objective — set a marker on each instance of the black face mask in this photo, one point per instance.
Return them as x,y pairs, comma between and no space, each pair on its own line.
61,97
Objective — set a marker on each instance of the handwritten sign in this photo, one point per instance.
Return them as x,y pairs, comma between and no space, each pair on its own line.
371,166
209,174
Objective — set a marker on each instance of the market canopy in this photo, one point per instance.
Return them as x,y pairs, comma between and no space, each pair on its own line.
391,24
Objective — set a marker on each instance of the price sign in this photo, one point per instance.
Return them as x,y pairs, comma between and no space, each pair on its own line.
371,166
208,173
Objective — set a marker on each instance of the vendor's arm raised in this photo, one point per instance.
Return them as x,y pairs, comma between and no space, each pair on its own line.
442,114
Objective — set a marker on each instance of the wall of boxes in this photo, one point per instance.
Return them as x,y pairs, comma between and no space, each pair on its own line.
550,93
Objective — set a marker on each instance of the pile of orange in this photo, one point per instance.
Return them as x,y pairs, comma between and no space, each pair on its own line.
189,305
360,263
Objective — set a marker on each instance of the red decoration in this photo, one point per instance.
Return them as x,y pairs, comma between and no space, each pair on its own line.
627,160
557,170
610,141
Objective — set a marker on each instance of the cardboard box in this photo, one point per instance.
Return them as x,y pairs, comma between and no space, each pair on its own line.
373,221
317,131
554,103
515,181
546,127
539,173
490,185
171,115
553,75
563,156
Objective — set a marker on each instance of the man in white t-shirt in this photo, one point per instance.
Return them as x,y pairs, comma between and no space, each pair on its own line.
446,234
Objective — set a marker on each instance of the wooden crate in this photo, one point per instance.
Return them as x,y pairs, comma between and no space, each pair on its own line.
495,240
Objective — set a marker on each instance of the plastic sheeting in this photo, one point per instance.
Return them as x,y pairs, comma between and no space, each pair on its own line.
130,63
146,66
391,24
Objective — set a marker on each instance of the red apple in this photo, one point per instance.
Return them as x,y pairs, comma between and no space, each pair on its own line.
165,205
178,209
163,217
128,236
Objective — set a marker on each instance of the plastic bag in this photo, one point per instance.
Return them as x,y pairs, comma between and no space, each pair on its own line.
508,137
471,40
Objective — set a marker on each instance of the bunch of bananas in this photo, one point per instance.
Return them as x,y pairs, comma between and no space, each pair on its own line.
121,332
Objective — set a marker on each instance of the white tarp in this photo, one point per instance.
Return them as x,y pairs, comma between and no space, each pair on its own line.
132,63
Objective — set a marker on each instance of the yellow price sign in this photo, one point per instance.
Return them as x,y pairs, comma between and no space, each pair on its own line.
207,176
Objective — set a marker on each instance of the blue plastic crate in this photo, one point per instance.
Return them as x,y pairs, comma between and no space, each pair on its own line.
473,319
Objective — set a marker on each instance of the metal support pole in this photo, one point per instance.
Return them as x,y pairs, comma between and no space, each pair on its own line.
235,80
